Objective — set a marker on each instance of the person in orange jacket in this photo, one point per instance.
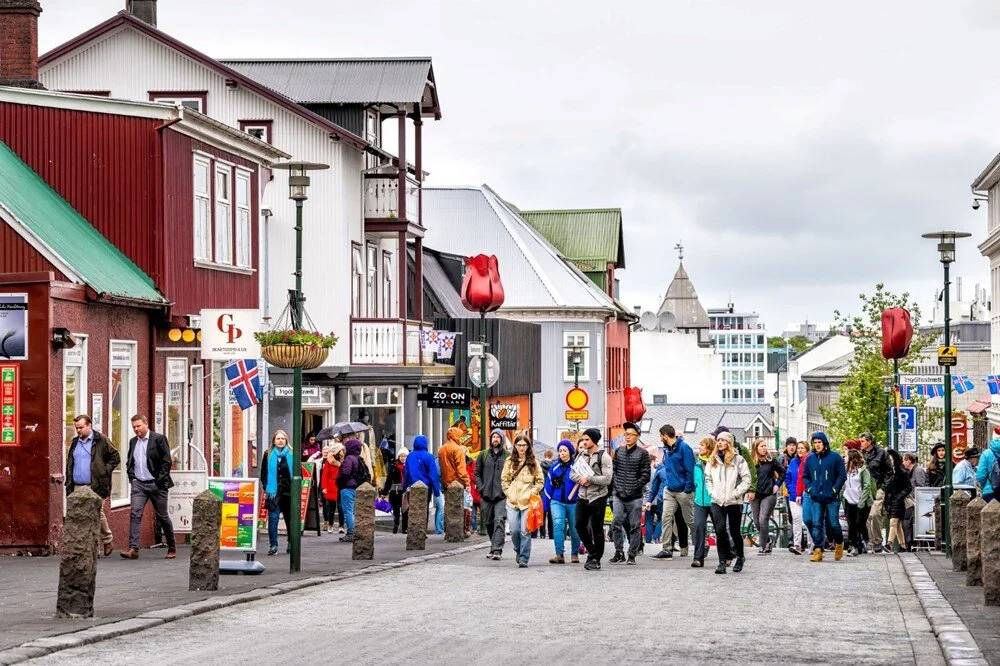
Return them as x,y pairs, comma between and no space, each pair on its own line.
451,458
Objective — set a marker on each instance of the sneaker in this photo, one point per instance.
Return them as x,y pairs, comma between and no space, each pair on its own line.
761,551
497,557
490,554
575,559
273,550
838,552
558,559
738,567
852,552
721,569
794,550
522,564
347,538
619,557
663,555
592,565
684,552
630,560
817,555
341,530
697,564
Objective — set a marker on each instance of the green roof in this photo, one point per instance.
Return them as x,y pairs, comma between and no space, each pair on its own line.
589,237
64,237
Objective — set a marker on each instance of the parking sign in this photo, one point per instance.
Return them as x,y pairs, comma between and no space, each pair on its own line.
907,419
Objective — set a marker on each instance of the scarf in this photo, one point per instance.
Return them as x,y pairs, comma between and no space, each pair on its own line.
272,468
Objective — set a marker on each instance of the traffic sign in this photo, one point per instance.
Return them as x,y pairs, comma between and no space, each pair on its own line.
492,370
948,356
577,414
446,397
906,417
577,398
476,349
916,380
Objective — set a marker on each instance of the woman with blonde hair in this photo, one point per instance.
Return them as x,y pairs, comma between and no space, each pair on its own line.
276,477
520,479
727,477
702,502
764,496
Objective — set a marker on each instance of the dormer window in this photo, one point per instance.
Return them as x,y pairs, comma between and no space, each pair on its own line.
191,100
258,129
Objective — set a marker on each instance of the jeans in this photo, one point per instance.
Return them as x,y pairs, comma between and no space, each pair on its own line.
824,516
628,514
857,519
654,524
563,514
520,538
761,509
439,514
699,529
148,491
726,520
494,517
672,504
278,507
590,526
347,497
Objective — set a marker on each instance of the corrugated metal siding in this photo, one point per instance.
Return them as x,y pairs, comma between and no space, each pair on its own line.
103,165
516,344
586,234
17,256
350,117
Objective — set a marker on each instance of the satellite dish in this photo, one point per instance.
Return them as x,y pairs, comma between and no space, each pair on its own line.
668,321
648,321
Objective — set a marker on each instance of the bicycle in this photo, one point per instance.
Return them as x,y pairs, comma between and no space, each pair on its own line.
749,531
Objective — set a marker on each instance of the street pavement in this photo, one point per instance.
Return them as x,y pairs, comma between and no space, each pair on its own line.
466,609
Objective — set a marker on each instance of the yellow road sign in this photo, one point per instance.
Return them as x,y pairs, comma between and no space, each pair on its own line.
948,356
577,414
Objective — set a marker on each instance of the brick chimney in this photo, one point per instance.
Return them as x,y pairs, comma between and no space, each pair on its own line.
144,10
19,43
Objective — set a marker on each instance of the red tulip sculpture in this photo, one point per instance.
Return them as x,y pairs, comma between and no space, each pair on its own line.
635,408
897,333
482,290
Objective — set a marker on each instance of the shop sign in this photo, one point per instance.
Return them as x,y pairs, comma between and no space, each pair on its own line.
176,371
503,416
158,412
180,505
238,529
9,405
228,334
14,327
97,411
446,397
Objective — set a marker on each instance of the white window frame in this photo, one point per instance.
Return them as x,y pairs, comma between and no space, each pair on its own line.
223,208
572,339
174,100
243,231
263,128
202,228
387,284
120,440
84,402
690,426
357,280
178,440
371,279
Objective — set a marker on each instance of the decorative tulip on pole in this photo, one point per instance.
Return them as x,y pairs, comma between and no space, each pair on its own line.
897,333
482,292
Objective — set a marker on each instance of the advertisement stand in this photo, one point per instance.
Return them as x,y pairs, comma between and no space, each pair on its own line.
238,529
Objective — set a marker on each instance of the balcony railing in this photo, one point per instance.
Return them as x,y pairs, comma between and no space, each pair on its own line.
382,197
380,342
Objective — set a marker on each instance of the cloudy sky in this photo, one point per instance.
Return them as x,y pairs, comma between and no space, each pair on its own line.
797,149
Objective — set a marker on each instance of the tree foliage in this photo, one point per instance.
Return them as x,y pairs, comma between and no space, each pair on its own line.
797,343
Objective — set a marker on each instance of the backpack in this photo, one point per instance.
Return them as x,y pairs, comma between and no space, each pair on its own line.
362,476
994,475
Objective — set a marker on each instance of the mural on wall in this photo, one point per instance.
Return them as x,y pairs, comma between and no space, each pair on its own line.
509,413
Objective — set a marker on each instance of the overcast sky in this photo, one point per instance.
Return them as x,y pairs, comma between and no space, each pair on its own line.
797,149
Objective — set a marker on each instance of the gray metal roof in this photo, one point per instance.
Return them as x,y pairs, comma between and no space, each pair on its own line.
682,302
442,287
709,416
470,221
835,370
345,81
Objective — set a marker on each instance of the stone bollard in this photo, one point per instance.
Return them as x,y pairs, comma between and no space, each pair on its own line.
989,535
364,523
973,545
959,500
938,523
454,512
416,530
78,568
206,523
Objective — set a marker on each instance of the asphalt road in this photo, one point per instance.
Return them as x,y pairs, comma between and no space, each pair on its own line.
465,609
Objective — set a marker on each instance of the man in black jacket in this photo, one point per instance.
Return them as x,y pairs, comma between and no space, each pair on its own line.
148,466
628,483
489,467
90,461
880,469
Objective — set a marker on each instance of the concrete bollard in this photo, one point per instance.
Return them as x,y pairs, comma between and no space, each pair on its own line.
454,513
959,501
989,535
364,523
416,531
206,523
78,568
973,545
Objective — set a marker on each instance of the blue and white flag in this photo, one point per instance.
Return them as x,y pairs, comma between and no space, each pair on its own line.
962,384
244,382
993,382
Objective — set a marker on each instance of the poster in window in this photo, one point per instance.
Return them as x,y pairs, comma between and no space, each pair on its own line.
13,327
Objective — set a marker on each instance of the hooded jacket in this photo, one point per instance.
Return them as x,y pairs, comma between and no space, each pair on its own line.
489,467
792,478
986,461
350,469
825,473
701,495
420,466
452,460
676,474
559,487
727,484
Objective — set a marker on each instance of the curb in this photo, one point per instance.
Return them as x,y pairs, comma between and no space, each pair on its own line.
957,644
51,644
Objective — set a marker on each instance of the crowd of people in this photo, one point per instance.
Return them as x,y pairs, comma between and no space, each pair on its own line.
666,492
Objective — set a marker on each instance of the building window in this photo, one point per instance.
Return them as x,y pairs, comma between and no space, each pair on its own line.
387,284
690,425
371,283
202,209
122,387
190,100
357,271
573,343
175,426
243,235
223,214
74,388
258,129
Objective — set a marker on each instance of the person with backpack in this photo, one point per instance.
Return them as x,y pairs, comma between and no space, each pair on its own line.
631,472
727,477
764,495
561,492
824,479
592,471
392,489
489,468
353,473
521,479
988,469
859,493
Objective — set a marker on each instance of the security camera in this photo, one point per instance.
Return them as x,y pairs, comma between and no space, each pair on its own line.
975,204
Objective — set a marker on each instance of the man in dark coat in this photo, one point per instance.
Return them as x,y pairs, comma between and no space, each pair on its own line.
148,466
90,461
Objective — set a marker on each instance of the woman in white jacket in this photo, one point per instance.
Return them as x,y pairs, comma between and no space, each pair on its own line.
727,477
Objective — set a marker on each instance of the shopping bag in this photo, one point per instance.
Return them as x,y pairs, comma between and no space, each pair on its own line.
535,515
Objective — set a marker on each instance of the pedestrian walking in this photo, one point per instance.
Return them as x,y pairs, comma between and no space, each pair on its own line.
593,471
673,486
631,472
276,477
935,468
964,473
472,516
727,477
764,495
879,469
354,472
561,491
897,490
90,461
451,459
489,469
702,502
328,484
918,479
148,468
795,491
988,469
790,453
859,494
393,490
824,479
521,479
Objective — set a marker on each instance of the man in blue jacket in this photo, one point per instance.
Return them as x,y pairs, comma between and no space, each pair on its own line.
824,479
421,465
674,483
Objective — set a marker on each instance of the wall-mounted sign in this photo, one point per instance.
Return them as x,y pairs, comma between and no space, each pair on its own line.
9,405
286,392
13,327
158,412
228,334
947,356
446,397
503,416
97,411
176,371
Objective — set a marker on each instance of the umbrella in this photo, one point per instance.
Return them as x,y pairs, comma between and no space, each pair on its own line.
341,429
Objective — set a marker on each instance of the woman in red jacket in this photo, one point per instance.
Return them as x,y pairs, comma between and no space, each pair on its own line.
328,484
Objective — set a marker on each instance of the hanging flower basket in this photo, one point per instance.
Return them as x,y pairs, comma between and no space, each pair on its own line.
295,349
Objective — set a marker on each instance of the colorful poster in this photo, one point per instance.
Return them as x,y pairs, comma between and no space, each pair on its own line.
239,512
307,480
14,327
9,405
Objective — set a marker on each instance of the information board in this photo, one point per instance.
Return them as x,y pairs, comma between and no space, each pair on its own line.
239,512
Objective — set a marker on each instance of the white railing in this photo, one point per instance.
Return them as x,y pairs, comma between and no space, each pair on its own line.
380,342
382,197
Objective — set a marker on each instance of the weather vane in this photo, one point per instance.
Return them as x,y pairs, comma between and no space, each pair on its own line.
680,251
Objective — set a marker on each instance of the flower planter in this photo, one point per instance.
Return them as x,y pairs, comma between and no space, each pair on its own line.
305,357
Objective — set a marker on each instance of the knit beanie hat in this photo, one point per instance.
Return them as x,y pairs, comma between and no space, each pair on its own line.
726,435
594,434
569,446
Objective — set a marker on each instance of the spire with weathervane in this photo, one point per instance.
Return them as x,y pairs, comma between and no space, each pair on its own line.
681,300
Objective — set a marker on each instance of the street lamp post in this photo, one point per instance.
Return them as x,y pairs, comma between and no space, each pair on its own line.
946,248
298,183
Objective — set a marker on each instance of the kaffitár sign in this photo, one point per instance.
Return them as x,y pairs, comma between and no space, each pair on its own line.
503,416
228,334
13,327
